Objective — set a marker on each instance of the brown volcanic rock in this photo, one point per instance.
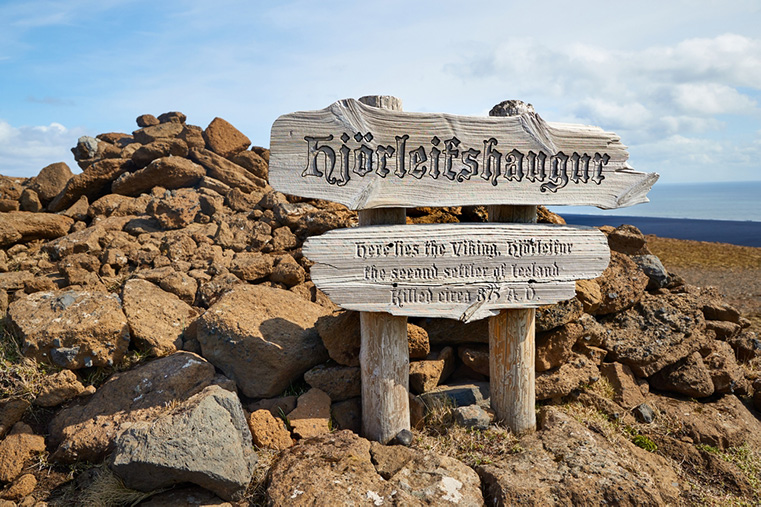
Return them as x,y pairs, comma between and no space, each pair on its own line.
621,284
268,432
565,379
71,328
87,432
689,376
565,463
627,392
629,240
224,139
23,226
157,319
158,149
656,332
167,172
59,388
311,417
338,382
175,209
51,181
17,449
147,120
156,132
227,172
92,183
263,338
553,348
253,163
342,468
553,316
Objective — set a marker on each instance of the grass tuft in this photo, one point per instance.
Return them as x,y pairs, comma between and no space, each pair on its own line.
107,490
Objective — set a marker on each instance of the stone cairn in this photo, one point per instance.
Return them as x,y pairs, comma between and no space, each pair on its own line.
170,250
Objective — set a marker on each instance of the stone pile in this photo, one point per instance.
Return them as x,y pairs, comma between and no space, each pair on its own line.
171,245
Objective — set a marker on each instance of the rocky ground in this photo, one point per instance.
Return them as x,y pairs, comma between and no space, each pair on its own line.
162,345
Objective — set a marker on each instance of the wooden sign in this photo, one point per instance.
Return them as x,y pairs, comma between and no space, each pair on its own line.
459,271
368,157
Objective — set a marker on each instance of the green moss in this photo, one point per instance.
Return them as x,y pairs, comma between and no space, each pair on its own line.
645,443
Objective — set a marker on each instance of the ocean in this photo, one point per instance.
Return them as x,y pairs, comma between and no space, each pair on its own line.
727,212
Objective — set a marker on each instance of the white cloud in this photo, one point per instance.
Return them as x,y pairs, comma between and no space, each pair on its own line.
27,149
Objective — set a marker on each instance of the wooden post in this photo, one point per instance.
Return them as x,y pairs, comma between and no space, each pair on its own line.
512,384
384,352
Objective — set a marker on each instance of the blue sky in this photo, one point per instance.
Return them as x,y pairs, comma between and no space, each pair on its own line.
679,81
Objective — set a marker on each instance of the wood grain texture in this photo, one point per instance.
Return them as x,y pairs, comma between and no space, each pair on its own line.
458,271
384,350
512,342
366,157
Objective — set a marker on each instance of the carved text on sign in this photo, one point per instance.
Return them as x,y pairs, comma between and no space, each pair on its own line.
454,270
338,159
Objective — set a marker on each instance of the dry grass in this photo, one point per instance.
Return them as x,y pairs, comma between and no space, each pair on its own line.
20,377
700,254
256,493
473,447
107,490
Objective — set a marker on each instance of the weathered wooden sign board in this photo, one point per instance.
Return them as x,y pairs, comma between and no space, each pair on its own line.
458,271
380,160
366,157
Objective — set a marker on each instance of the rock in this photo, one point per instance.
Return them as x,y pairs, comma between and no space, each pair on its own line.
71,328
283,239
430,372
458,395
153,133
193,136
565,379
253,163
29,201
727,376
644,413
11,411
86,148
568,464
338,469
688,376
757,394
157,319
93,183
167,172
311,417
78,210
339,382
29,226
170,449
147,120
417,339
627,392
252,266
17,449
262,338
210,292
454,332
718,310
185,496
238,200
472,416
224,139
176,209
621,284
656,332
278,407
172,116
627,239
347,414
9,205
119,205
746,345
723,423
22,487
225,171
475,357
653,268
51,181
158,149
262,152
724,330
340,332
268,432
554,347
15,280
553,316
59,388
86,432
8,234
589,295
287,271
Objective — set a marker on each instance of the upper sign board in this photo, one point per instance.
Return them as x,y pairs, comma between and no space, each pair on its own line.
456,271
366,157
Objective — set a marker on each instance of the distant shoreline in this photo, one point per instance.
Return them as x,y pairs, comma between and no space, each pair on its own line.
747,233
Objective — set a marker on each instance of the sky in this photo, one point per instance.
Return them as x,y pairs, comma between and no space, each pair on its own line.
678,81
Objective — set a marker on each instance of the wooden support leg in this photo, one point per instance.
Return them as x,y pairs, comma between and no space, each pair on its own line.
511,348
384,354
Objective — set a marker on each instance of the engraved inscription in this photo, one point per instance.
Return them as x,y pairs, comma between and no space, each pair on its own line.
362,154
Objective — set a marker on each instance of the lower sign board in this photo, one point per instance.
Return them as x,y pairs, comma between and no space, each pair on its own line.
458,271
